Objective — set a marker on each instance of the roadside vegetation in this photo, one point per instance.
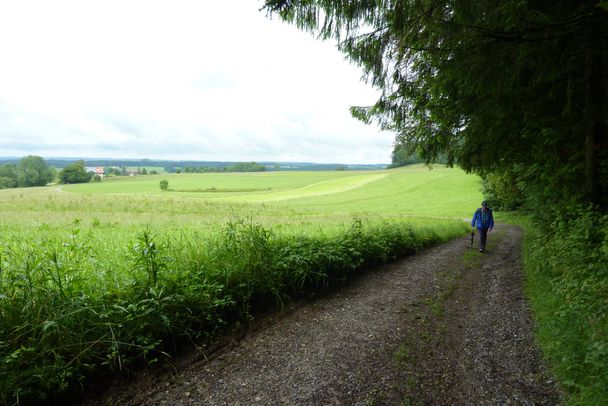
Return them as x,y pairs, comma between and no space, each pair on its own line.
490,87
566,263
95,280
566,267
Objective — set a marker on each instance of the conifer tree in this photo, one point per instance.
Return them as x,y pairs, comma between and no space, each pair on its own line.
517,87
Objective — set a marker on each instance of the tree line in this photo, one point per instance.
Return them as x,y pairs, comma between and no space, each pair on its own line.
237,167
29,171
33,170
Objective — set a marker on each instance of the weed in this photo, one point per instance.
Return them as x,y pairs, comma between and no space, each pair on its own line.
471,259
401,357
148,256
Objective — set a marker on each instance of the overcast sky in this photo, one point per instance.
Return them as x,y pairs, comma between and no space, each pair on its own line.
179,79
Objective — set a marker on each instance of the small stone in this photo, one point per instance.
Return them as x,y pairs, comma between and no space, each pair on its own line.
186,394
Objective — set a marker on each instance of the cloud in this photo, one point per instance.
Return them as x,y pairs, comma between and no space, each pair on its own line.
176,80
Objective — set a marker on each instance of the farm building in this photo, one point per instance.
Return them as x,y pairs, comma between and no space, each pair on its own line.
97,170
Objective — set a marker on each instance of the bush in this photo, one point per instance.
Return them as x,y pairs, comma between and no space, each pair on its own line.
33,171
74,173
566,263
501,191
6,182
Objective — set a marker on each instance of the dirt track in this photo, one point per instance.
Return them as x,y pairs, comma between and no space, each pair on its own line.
449,326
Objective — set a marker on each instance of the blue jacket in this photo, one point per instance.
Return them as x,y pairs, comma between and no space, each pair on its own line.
478,220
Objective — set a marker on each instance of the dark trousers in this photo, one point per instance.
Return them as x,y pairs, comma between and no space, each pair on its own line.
483,237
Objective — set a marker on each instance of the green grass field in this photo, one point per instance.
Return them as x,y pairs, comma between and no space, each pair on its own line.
288,199
102,277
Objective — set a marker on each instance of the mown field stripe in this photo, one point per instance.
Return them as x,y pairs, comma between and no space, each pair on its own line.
326,187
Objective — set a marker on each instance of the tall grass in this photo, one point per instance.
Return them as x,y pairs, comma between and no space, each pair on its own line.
74,307
105,277
566,263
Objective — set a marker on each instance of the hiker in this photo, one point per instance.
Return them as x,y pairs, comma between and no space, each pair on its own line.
484,222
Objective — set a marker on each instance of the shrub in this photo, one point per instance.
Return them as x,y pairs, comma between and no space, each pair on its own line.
566,263
501,190
74,173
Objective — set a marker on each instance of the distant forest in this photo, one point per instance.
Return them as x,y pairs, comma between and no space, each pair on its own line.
203,166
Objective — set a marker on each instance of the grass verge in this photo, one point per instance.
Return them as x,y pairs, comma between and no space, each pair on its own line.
71,312
566,265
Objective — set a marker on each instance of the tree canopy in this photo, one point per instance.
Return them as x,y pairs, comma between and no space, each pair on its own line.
237,167
33,171
8,176
517,87
75,173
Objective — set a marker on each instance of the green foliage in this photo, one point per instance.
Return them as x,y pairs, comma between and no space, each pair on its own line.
501,190
406,153
6,182
148,257
566,263
489,85
33,171
69,311
8,176
113,171
75,173
164,184
403,155
246,167
237,167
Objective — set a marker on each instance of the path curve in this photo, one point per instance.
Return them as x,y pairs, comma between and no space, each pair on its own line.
448,326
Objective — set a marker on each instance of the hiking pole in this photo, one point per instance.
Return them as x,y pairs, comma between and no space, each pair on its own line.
472,236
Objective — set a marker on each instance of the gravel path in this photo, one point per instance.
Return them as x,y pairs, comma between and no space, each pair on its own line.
449,326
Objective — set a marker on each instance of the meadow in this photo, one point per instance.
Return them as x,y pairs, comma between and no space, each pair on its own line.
104,277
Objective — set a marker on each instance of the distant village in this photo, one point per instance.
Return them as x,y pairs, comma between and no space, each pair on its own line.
102,171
